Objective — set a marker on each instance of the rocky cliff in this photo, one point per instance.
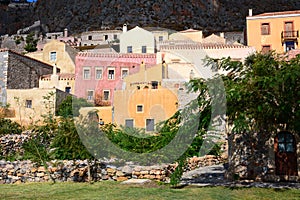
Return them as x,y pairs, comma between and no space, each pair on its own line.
82,15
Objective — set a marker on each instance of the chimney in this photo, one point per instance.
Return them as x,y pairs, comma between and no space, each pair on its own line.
250,12
65,32
222,34
54,77
124,28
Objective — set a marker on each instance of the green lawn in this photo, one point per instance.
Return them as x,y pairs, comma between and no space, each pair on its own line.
113,190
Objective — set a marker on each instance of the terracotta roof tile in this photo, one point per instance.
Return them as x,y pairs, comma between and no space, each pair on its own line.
278,13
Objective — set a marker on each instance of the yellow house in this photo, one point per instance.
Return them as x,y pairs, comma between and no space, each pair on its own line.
29,105
277,31
143,102
59,53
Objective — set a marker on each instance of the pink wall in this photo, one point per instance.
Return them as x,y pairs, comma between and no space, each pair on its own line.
105,60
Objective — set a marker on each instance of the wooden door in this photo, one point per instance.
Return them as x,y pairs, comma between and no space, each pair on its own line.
288,28
285,154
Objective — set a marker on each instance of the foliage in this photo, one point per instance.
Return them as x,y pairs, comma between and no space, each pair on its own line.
67,144
9,127
71,105
31,43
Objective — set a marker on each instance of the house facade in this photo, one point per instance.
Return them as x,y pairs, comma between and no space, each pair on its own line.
137,40
59,53
99,74
143,102
94,38
277,31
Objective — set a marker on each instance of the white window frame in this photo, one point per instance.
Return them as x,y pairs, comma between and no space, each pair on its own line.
153,124
89,73
90,98
96,69
139,106
129,120
114,74
53,56
122,74
104,95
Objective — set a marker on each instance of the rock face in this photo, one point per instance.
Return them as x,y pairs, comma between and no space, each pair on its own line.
82,15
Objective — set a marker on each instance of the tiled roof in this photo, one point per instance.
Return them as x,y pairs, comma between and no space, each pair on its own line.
61,76
117,55
189,31
278,13
201,46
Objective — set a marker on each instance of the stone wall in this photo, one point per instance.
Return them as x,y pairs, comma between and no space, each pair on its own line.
24,72
78,171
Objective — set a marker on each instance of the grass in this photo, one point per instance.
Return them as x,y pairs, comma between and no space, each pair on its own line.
114,190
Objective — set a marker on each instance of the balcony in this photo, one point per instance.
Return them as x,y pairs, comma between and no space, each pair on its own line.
289,35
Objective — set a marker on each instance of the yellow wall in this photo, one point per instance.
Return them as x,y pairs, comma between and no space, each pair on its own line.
16,99
158,104
61,84
255,38
65,60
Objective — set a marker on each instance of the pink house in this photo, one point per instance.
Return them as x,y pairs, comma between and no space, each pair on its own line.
99,74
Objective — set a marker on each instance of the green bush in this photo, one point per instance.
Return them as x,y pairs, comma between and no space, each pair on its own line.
9,127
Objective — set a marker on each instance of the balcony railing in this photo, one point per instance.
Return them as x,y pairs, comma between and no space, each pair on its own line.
285,35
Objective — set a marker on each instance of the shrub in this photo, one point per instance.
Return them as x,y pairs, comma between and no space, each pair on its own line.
9,127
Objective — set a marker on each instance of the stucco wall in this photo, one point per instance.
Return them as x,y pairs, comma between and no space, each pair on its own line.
255,39
137,37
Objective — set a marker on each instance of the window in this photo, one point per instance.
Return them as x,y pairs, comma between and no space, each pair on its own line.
129,123
265,49
144,49
154,84
68,89
111,74
124,73
149,124
105,37
115,37
265,28
28,103
99,73
86,73
289,45
53,56
90,37
160,38
139,108
90,95
106,95
285,142
129,49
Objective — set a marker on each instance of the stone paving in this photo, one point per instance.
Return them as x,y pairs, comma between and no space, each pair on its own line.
214,176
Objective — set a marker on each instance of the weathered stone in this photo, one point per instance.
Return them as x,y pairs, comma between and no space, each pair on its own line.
144,172
111,171
40,174
127,170
119,173
122,178
136,181
33,170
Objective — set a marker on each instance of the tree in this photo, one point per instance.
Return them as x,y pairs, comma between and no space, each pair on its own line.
262,96
31,43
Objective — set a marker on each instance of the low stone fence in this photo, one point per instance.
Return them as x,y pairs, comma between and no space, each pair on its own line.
78,171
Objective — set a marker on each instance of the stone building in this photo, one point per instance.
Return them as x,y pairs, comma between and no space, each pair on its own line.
19,86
